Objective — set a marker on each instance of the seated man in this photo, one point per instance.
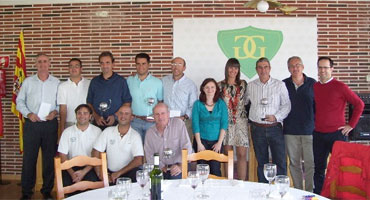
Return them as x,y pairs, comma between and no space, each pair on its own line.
168,133
78,140
123,147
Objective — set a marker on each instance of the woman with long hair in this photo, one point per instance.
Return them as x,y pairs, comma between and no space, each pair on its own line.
233,92
209,121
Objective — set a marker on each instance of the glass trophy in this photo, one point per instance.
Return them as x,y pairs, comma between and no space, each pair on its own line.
150,102
264,102
104,107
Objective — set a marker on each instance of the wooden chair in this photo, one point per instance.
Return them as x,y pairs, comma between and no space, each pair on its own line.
208,155
82,185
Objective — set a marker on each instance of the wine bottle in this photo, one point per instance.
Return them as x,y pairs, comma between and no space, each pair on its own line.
156,177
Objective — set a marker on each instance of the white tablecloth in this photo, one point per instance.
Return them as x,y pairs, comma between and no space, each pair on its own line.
217,189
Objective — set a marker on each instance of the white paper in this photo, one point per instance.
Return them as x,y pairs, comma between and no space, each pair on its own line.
44,110
175,113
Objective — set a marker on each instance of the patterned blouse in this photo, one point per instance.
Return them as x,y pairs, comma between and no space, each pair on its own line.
234,97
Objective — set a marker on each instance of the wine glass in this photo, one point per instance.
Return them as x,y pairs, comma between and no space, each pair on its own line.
147,168
282,182
203,171
168,153
124,186
269,170
142,179
194,180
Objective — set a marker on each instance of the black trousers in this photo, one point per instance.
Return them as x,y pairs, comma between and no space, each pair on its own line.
90,176
214,166
322,146
67,179
35,135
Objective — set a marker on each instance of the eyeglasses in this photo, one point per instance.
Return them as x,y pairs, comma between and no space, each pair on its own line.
296,65
176,64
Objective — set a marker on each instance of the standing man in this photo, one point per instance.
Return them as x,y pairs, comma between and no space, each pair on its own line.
37,101
72,93
146,90
299,125
270,105
107,93
168,133
123,146
78,140
180,93
331,97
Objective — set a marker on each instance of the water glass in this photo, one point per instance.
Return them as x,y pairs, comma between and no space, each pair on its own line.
203,171
282,182
123,185
147,168
269,170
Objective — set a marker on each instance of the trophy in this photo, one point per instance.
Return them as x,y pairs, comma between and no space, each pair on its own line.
264,102
168,153
104,106
150,101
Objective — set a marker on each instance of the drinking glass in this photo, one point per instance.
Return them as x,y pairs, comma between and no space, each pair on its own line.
203,171
269,170
124,186
147,168
194,180
142,179
282,182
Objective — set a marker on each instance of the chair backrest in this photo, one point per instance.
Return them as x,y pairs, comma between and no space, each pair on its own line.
208,155
82,185
348,173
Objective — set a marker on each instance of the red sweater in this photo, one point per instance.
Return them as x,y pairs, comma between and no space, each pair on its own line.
330,104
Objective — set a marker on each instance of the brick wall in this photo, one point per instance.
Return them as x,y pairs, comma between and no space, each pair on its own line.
74,30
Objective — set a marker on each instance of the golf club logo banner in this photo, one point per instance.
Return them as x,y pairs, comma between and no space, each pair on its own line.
248,45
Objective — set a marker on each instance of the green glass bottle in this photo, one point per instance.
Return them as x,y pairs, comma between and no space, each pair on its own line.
156,177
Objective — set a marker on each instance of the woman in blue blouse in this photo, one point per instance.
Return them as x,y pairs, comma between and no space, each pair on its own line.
210,121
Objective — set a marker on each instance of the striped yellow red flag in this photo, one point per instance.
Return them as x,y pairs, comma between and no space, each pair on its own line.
19,76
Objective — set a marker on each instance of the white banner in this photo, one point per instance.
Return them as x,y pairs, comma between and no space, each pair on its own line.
205,42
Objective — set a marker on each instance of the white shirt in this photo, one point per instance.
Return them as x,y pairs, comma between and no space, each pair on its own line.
72,95
75,142
120,151
278,102
179,95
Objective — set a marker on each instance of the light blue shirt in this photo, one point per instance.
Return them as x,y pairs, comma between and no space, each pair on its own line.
34,91
150,87
179,95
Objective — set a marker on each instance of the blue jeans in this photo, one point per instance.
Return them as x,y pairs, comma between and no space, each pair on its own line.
322,146
263,137
141,126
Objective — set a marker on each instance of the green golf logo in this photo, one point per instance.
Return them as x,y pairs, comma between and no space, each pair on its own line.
248,45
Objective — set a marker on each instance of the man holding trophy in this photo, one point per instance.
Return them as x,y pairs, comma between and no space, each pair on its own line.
107,93
146,91
270,105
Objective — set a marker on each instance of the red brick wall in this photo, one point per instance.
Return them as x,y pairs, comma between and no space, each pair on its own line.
73,30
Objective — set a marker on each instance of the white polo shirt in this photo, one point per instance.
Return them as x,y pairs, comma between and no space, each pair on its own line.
75,142
72,95
120,151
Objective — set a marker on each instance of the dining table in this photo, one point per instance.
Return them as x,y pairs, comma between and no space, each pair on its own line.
216,189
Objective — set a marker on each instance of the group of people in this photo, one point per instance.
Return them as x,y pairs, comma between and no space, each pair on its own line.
143,115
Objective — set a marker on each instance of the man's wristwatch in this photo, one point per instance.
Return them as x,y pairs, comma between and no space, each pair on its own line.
186,117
